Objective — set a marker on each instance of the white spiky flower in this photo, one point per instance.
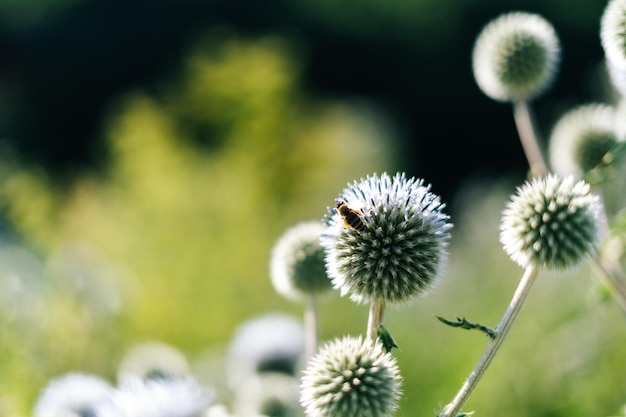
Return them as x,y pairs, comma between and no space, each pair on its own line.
402,248
350,377
581,138
516,56
552,222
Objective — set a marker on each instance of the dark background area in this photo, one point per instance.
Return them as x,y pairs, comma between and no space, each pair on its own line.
61,66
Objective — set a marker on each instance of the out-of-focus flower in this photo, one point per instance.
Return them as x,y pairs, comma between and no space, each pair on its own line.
581,138
152,360
516,57
272,342
269,394
401,248
173,397
73,395
297,267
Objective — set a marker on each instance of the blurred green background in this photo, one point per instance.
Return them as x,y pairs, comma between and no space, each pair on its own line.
154,151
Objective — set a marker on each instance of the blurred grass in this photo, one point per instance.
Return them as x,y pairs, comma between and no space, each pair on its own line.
173,244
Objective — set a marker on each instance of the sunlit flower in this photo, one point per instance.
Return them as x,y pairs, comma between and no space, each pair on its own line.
173,397
516,57
72,395
297,267
272,342
551,222
350,377
402,248
581,138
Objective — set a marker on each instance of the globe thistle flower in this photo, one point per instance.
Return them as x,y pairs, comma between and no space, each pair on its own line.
581,138
401,248
297,267
613,33
551,222
516,57
173,397
72,395
152,360
350,377
273,342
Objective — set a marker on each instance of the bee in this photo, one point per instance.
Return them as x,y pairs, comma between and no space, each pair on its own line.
351,217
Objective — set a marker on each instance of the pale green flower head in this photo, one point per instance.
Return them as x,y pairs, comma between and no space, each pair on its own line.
350,377
516,57
581,138
552,222
297,266
393,246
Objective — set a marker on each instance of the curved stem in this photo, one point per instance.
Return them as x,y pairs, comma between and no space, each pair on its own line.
613,280
310,326
528,138
492,348
375,319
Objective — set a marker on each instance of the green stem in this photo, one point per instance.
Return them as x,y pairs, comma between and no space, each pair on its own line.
528,138
523,288
310,326
375,319
613,279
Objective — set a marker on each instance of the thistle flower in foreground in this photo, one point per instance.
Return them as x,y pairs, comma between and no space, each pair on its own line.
581,138
72,395
297,264
402,247
516,57
349,377
551,222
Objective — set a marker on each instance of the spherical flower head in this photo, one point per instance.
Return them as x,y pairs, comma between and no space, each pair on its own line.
401,248
613,34
581,138
350,377
516,57
552,222
72,395
297,267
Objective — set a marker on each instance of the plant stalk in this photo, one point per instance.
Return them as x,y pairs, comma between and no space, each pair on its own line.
375,319
528,138
310,326
515,306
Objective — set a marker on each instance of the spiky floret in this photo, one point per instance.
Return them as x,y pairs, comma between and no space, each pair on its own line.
297,267
581,138
551,222
350,377
401,251
516,56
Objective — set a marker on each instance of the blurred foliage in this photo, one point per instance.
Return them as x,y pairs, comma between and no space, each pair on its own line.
208,169
205,176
